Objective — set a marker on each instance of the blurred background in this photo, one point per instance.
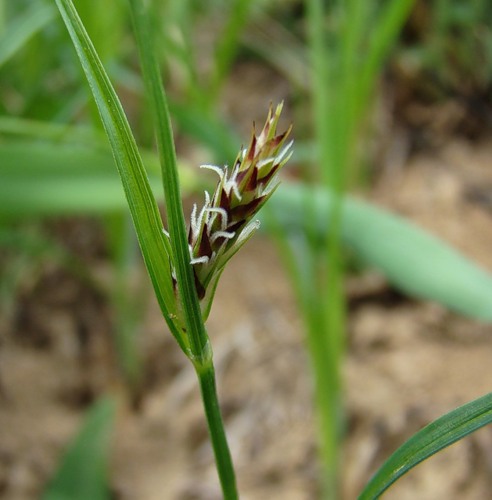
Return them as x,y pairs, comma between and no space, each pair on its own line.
78,317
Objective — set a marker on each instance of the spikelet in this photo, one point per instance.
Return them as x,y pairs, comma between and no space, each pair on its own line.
226,220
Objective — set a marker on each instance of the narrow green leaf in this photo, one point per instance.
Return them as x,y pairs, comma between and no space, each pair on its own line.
15,126
61,196
21,29
389,24
200,352
60,178
46,179
197,334
106,27
443,432
227,44
412,259
83,471
143,207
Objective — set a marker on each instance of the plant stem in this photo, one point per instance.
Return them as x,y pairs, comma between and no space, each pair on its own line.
325,365
200,352
325,315
225,469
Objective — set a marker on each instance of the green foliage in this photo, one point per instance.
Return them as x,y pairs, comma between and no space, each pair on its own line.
179,253
143,207
411,259
439,434
105,26
181,311
46,178
23,28
51,168
348,43
455,45
83,472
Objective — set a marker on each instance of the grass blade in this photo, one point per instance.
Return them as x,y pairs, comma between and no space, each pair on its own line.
143,207
200,351
23,28
389,24
48,178
61,178
14,126
441,433
177,230
83,472
412,259
227,44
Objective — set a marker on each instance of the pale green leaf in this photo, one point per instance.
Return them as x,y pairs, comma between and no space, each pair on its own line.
22,28
412,259
38,178
83,471
143,207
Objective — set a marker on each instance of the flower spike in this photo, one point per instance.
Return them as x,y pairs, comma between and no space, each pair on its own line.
225,222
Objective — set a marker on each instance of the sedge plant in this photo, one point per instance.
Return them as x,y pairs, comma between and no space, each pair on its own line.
346,56
184,268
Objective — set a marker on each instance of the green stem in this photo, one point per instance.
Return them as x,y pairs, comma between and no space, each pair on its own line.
225,469
325,314
142,13
325,367
200,352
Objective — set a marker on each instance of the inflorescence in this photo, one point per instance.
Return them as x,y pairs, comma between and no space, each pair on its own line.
225,221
